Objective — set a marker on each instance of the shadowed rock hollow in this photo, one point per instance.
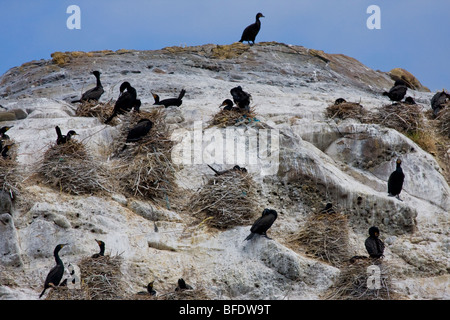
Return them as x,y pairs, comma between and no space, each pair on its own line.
320,160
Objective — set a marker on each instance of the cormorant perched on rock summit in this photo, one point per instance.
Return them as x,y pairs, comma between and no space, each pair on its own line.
395,182
93,94
263,223
170,101
56,273
438,101
252,30
101,244
241,98
61,139
127,100
397,92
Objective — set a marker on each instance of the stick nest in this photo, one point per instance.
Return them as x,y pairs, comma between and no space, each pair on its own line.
326,237
228,118
145,168
9,175
226,201
96,109
352,283
346,110
70,168
100,280
402,117
443,121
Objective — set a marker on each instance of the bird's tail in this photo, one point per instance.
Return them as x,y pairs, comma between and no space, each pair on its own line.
181,95
250,236
217,172
58,131
42,293
385,93
110,118
75,101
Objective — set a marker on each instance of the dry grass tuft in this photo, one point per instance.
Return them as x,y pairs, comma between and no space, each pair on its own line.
352,283
97,110
443,121
144,168
100,280
346,110
226,201
227,118
326,237
70,168
9,173
229,51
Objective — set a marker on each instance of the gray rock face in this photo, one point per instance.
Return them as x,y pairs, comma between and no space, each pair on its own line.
319,161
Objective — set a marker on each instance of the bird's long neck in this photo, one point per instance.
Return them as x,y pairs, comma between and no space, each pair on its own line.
99,84
57,258
399,168
102,249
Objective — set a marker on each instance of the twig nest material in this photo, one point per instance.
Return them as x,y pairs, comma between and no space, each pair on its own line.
96,109
346,110
226,200
70,168
228,118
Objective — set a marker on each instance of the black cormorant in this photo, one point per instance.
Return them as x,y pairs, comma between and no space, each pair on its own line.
227,104
3,130
93,94
139,130
374,246
56,273
61,139
410,100
101,244
241,98
439,100
5,149
397,92
235,168
170,101
149,291
127,100
252,30
395,182
328,209
182,285
339,101
263,223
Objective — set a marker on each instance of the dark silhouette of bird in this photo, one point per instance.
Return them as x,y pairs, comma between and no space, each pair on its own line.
235,168
228,105
170,101
439,100
374,246
251,31
101,244
182,285
3,130
139,130
338,101
263,223
5,149
241,98
410,100
127,100
61,139
397,92
56,273
395,181
93,94
149,291
328,209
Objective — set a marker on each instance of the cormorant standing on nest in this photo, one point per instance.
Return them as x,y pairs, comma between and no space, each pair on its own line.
438,101
171,101
56,273
374,246
127,100
149,291
93,94
397,92
241,98
5,149
252,30
395,182
139,130
228,105
339,101
101,244
328,209
235,168
3,130
64,138
263,223
182,285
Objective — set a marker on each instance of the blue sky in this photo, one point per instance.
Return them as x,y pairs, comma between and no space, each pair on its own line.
414,34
